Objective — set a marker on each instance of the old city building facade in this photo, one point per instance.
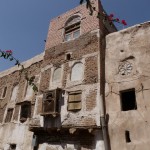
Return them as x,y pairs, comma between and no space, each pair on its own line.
84,77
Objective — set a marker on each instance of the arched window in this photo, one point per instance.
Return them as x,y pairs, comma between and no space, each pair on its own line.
57,75
72,28
77,72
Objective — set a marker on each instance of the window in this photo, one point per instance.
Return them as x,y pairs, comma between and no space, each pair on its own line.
57,75
72,28
127,136
51,101
9,115
68,56
77,72
25,111
28,92
12,147
14,93
128,100
74,101
4,92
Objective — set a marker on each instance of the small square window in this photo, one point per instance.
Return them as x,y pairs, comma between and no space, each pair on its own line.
9,115
74,101
128,100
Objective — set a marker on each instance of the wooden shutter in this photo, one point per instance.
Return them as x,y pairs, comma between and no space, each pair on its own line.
74,101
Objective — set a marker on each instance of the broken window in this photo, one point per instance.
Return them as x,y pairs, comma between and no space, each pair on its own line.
12,147
128,100
77,72
72,28
9,115
57,75
4,92
25,111
74,101
127,136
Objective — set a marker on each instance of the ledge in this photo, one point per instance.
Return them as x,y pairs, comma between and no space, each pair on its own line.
55,114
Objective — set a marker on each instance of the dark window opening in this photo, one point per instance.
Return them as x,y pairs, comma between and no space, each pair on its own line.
128,100
12,147
68,56
4,92
25,112
9,115
74,101
127,136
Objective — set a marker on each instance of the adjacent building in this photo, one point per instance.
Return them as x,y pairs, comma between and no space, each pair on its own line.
87,78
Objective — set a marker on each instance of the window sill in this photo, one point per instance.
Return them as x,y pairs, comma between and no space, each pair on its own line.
50,114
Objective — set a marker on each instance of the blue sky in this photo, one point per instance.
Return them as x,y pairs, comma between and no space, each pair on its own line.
24,23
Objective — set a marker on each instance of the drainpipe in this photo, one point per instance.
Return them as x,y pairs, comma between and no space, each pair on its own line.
101,78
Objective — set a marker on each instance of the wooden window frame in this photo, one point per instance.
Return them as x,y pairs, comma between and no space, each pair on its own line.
71,29
74,101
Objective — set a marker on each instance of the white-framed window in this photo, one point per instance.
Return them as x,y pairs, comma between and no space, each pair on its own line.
14,93
72,28
56,75
77,72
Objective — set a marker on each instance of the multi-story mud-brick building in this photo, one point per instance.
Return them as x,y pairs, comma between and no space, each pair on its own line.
127,97
65,112
82,75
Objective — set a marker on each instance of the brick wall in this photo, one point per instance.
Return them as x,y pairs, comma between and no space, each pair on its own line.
88,23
